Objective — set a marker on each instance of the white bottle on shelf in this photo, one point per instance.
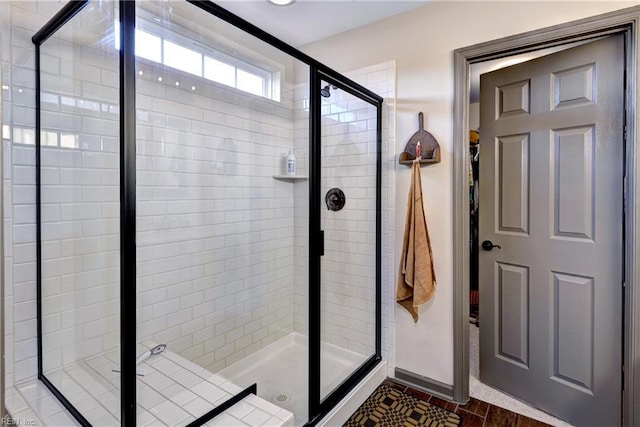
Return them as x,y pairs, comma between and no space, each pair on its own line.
291,164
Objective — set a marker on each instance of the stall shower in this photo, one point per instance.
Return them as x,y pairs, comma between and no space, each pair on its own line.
179,266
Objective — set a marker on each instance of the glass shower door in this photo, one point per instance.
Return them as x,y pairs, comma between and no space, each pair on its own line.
348,218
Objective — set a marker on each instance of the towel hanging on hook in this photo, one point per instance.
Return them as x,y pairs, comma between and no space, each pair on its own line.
417,276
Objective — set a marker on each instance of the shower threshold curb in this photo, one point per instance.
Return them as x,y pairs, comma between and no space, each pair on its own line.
356,397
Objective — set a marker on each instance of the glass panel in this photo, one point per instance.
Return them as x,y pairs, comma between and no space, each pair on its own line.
348,218
182,58
148,46
250,83
221,244
81,213
219,72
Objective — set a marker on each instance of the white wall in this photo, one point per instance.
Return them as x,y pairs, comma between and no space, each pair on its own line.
422,42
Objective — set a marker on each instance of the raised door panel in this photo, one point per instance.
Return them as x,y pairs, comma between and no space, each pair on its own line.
513,184
512,317
573,87
512,99
573,174
573,331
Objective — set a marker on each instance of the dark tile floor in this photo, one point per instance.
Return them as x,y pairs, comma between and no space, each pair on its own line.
475,413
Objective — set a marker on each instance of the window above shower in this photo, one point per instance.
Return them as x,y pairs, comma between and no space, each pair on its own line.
248,73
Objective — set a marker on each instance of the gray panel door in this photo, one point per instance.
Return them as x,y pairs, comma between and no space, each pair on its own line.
551,195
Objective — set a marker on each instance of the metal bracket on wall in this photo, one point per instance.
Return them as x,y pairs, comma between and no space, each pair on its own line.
429,147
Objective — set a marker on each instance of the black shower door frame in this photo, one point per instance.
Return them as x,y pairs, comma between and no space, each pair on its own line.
318,73
318,407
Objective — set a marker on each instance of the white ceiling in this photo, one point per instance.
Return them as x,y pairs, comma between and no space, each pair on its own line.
306,21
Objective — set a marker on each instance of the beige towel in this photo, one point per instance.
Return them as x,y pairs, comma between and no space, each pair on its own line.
417,278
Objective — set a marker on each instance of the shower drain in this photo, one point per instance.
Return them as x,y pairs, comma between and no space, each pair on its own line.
280,397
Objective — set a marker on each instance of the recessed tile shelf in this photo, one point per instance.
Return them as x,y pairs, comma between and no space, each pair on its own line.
290,177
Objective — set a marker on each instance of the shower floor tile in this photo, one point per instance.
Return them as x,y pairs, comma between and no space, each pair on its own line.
280,371
170,398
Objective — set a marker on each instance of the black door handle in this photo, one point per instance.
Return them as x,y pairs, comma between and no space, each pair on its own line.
487,245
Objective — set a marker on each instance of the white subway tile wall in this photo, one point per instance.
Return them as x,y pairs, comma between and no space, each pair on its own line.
348,286
80,191
349,150
215,230
381,79
222,247
19,22
301,213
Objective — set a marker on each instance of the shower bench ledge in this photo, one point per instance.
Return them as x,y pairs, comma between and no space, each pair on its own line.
173,392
